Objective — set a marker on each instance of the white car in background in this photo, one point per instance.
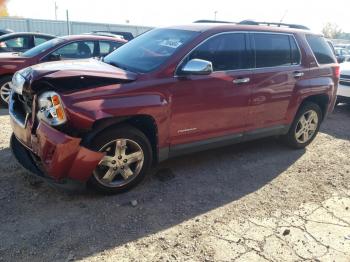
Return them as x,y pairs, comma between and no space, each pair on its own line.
343,95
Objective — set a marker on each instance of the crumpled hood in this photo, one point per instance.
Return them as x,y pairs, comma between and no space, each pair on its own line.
345,68
73,75
85,67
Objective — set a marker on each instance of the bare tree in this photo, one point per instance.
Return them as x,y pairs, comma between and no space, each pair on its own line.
331,30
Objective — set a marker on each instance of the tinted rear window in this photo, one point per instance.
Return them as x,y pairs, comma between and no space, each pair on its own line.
321,49
275,50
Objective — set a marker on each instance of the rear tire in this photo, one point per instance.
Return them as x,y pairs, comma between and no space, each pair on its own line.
5,90
127,161
305,126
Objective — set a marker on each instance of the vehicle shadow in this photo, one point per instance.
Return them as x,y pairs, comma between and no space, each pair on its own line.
336,123
47,224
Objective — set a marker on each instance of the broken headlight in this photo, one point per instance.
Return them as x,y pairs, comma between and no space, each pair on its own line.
51,109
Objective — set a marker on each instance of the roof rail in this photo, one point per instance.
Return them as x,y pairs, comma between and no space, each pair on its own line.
213,21
251,22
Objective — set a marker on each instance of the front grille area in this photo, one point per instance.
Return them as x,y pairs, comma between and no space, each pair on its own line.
20,108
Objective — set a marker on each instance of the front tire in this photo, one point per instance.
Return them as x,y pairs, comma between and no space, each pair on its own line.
305,126
5,90
128,158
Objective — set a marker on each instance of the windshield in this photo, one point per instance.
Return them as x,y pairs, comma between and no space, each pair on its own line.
148,51
42,47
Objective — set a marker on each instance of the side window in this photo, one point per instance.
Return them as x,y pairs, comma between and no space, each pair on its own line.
39,40
76,50
321,49
225,51
275,50
108,47
18,43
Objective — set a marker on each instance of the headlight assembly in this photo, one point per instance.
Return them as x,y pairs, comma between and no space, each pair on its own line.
51,109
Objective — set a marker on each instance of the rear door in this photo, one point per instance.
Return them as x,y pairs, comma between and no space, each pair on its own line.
277,72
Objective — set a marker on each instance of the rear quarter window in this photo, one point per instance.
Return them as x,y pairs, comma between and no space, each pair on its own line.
321,49
273,50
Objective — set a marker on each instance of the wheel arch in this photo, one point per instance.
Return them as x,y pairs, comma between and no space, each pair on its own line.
145,123
322,100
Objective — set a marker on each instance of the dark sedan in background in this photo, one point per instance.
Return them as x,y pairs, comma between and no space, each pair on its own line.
21,42
61,48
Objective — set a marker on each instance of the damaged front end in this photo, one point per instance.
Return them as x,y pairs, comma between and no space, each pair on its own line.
37,117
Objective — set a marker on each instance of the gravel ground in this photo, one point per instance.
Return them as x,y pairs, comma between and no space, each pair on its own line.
250,202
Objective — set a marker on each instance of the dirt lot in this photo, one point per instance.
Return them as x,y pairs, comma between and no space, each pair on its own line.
251,202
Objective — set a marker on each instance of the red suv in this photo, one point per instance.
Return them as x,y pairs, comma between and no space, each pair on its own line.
62,48
168,92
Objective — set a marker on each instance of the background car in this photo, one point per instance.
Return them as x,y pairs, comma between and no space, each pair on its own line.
343,94
106,34
342,54
61,48
21,42
5,31
127,35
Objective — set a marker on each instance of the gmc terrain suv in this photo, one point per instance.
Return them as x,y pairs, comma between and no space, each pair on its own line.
168,92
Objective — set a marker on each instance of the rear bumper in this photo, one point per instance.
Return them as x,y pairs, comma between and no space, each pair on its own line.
60,157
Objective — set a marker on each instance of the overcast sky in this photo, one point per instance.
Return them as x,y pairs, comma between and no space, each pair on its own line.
311,13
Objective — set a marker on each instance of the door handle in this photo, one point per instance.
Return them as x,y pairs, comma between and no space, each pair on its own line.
298,74
241,80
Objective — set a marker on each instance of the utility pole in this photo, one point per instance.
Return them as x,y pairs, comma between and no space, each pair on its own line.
56,8
68,23
215,13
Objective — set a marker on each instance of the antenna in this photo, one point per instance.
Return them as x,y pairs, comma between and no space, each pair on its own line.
284,15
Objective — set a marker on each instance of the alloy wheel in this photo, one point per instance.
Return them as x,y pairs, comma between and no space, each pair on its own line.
306,126
122,163
5,91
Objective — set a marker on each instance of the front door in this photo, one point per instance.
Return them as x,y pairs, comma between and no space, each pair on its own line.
214,105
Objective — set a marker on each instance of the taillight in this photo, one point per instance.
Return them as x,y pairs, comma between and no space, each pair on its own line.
337,71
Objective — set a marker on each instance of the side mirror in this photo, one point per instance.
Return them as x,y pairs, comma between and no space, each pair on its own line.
197,67
54,57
